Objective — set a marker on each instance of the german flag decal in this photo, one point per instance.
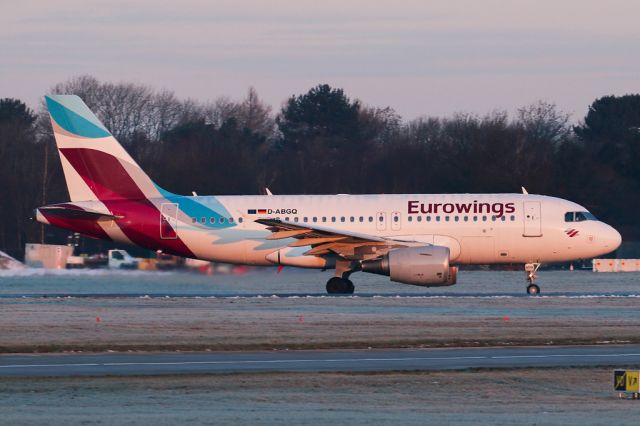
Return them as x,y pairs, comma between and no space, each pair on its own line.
272,211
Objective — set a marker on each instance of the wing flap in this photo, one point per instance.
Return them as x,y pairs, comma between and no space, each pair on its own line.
324,240
313,231
279,235
315,241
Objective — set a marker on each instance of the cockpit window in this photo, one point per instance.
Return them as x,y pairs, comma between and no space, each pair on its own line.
578,216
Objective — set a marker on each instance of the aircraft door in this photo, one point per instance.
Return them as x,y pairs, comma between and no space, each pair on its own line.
532,219
168,221
396,221
381,221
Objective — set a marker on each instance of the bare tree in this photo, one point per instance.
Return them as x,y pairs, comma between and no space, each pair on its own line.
543,121
255,115
220,111
379,124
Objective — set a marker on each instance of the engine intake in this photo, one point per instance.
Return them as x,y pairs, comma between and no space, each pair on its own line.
426,266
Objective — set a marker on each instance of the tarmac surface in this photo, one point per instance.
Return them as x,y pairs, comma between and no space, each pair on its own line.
113,364
131,347
292,282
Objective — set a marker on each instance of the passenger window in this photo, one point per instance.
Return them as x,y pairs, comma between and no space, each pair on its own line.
230,220
242,220
304,219
222,220
333,218
370,218
352,219
456,218
466,218
194,220
503,218
446,218
428,218
212,220
419,218
324,218
203,220
315,219
361,219
437,218
342,219
493,218
410,218
484,218
395,218
513,218
475,218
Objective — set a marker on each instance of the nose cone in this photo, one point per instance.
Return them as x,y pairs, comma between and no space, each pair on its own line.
611,239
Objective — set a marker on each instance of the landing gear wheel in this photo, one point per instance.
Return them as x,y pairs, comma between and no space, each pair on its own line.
350,287
338,285
531,269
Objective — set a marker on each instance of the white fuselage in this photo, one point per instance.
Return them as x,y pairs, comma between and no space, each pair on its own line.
477,228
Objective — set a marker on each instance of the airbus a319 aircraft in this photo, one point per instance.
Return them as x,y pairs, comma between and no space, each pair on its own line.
417,239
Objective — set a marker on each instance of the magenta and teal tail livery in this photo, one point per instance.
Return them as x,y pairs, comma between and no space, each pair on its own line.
95,165
119,200
414,239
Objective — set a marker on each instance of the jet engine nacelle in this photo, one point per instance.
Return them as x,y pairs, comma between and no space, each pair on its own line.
424,266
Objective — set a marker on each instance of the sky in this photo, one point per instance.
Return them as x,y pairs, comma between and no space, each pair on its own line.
422,58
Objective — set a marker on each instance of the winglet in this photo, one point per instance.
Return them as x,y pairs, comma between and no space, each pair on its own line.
524,190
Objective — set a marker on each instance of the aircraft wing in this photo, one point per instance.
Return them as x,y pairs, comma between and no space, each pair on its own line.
323,240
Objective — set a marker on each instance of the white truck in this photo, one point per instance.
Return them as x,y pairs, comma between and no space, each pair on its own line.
120,259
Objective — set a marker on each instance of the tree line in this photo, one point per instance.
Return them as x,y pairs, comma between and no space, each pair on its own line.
324,142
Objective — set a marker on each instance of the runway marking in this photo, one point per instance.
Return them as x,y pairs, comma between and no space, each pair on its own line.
292,361
563,355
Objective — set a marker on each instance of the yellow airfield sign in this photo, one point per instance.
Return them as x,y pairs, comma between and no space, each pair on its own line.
626,381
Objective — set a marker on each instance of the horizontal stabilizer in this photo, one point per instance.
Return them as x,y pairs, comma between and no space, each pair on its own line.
70,211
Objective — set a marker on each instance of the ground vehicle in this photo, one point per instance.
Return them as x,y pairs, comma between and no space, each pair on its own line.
120,259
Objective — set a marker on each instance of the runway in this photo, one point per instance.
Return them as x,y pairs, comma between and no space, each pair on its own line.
114,364
635,294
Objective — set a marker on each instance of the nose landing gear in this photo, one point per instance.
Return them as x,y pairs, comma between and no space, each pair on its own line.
531,269
533,290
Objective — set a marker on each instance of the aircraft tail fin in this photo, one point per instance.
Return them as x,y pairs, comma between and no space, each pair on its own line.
95,165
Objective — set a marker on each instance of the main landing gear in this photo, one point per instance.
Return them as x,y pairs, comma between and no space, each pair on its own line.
337,285
341,284
531,269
